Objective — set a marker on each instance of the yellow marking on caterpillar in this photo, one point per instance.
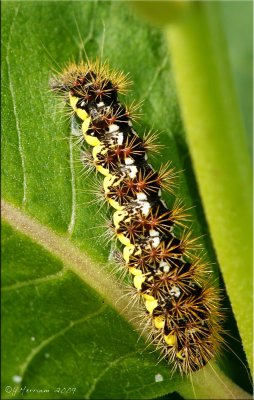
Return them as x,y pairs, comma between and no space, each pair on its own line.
138,251
102,170
148,297
123,239
108,181
138,280
118,217
150,303
91,140
73,101
97,150
135,271
82,114
112,180
179,355
127,252
170,339
159,321
114,204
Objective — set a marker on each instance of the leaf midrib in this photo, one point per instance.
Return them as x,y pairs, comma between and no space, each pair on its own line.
78,262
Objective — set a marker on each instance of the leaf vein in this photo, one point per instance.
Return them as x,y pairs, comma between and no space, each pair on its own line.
36,281
12,91
155,77
47,341
73,188
98,378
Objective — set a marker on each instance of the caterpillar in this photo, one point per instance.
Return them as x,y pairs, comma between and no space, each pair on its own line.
181,304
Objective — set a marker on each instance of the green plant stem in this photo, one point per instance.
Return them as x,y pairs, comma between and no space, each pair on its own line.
218,149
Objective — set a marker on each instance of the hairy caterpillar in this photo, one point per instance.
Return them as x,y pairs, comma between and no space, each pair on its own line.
181,304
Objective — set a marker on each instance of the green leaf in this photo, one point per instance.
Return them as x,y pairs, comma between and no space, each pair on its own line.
66,321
